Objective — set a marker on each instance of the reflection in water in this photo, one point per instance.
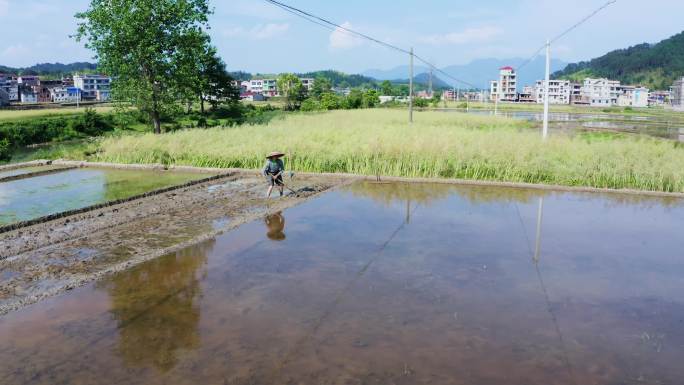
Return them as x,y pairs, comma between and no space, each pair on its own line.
31,198
275,224
359,296
156,310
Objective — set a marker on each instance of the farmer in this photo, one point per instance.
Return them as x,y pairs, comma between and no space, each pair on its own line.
273,170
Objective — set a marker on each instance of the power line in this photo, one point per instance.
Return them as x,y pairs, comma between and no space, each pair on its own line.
330,25
562,34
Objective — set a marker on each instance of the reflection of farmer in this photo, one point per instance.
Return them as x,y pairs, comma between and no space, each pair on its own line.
275,224
274,170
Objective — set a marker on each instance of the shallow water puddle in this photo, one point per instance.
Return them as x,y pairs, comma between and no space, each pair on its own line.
385,284
656,126
38,196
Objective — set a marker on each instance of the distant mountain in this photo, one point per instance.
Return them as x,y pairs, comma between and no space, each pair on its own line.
478,72
423,80
48,69
400,72
653,65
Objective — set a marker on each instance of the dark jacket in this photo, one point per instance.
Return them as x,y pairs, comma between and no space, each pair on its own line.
273,167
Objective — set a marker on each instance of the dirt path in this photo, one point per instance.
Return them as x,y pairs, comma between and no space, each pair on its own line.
42,260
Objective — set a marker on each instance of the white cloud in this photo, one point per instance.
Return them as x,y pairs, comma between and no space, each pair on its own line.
467,36
15,52
341,39
4,7
258,32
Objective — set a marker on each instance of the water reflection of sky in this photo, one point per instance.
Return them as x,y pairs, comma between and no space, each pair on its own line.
34,197
648,125
366,286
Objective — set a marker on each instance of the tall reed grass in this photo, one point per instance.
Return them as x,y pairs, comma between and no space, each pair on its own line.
438,144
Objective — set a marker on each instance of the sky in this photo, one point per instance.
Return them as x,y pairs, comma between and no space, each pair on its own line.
257,37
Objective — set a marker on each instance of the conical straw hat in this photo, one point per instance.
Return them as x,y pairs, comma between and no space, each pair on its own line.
275,154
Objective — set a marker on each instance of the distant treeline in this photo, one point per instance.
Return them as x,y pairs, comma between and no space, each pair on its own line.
51,69
343,80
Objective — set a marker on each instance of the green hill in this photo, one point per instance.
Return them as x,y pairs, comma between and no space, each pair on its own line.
655,66
51,69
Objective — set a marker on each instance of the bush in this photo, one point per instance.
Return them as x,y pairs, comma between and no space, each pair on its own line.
330,101
310,104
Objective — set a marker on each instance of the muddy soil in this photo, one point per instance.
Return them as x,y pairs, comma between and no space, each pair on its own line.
49,258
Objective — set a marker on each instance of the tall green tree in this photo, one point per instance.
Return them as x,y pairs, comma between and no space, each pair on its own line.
141,43
386,88
203,74
292,90
321,86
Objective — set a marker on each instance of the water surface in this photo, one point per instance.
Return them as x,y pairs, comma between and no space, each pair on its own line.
385,284
38,196
664,126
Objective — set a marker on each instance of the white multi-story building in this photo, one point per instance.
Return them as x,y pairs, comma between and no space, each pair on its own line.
504,89
560,91
658,98
28,80
10,86
27,95
630,96
601,92
93,86
677,95
65,94
4,98
269,87
307,83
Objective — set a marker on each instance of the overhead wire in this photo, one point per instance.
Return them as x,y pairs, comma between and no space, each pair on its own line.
567,31
330,25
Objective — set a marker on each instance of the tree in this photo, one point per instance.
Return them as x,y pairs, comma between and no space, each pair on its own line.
330,101
386,88
354,100
321,85
371,98
141,43
292,90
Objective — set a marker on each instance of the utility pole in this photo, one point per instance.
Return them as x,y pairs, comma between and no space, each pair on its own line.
545,130
430,83
537,243
411,88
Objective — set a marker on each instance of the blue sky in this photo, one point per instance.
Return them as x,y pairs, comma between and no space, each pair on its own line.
255,36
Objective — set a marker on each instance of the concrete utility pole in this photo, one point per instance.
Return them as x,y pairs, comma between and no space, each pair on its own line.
411,88
545,130
430,83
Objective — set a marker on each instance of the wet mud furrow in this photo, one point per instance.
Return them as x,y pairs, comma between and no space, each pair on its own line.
59,255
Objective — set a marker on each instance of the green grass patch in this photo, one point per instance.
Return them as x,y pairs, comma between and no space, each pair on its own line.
373,142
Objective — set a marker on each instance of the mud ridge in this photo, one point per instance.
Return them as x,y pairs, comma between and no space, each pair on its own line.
63,214
37,173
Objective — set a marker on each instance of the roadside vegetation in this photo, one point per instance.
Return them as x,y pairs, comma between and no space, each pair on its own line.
381,142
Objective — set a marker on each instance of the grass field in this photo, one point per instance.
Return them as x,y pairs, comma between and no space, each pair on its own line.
437,145
45,112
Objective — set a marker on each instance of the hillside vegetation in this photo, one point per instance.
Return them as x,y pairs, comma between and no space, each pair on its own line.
655,66
51,69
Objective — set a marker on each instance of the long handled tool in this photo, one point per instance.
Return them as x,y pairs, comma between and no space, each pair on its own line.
284,185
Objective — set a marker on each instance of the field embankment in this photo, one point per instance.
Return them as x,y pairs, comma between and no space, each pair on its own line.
446,145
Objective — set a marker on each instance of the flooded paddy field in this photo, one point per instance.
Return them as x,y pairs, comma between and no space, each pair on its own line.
38,196
12,172
665,127
384,284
